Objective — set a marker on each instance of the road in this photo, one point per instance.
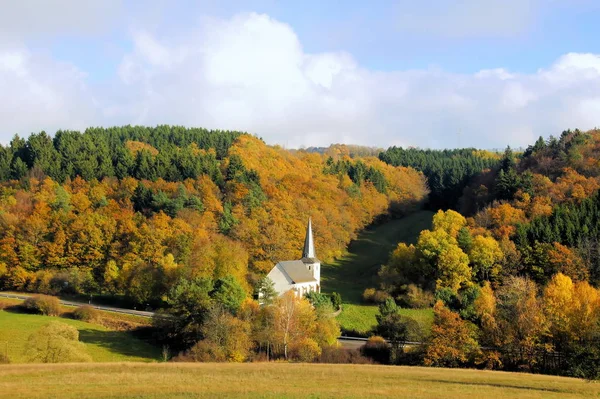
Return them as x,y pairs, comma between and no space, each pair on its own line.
77,304
345,342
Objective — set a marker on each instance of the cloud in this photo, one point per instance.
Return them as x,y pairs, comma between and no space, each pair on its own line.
40,93
251,73
35,19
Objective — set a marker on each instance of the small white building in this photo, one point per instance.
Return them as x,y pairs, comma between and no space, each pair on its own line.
301,276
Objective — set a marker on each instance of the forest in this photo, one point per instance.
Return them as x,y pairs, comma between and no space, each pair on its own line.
136,213
191,220
515,277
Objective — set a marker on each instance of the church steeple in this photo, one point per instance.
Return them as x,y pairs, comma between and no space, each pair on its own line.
309,244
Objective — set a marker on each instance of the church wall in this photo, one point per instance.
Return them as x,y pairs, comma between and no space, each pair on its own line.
281,282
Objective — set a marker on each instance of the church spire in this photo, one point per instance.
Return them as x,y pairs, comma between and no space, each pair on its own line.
309,244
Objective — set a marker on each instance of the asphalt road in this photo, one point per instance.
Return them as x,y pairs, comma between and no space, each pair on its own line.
77,304
345,342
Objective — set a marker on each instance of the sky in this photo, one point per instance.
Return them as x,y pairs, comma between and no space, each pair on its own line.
431,74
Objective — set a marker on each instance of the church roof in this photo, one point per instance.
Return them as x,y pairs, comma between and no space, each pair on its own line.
309,244
297,271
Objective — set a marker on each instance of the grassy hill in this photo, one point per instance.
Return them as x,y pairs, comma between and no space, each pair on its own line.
102,344
357,270
277,380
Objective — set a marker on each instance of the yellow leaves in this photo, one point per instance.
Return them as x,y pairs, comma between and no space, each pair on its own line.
441,249
136,146
80,201
111,273
558,297
209,193
450,221
168,263
484,254
572,185
485,304
502,219
453,268
452,342
433,243
585,310
572,308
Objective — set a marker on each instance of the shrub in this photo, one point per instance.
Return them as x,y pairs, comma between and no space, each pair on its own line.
317,299
203,351
332,354
305,350
4,359
416,298
86,313
368,295
380,297
336,300
377,349
371,295
56,342
42,304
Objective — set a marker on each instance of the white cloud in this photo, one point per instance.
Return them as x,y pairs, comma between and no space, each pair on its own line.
39,93
251,73
26,19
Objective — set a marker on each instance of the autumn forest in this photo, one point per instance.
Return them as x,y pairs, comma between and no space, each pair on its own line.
191,220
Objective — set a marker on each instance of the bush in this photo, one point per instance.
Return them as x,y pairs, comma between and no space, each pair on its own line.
42,304
336,300
305,350
371,295
4,359
332,355
377,349
86,313
203,351
416,298
368,295
56,342
317,299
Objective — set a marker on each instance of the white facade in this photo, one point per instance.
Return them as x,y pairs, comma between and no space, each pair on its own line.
302,276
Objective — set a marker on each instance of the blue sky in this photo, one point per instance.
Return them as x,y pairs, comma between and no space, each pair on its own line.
305,73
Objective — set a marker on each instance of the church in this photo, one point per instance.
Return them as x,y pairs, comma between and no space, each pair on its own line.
301,276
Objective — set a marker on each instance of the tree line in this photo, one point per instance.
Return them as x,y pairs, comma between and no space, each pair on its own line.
135,236
172,153
447,171
527,252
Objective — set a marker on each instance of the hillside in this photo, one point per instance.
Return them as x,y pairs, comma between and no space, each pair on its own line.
281,380
519,268
128,211
357,270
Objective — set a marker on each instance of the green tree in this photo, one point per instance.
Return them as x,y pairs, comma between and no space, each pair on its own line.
229,292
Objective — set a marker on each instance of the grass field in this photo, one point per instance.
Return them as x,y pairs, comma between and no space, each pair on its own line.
102,344
357,270
361,318
277,380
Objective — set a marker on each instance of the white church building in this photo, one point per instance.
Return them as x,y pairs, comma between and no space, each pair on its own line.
301,276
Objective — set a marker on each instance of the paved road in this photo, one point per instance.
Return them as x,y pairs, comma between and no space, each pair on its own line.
77,304
356,342
345,342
